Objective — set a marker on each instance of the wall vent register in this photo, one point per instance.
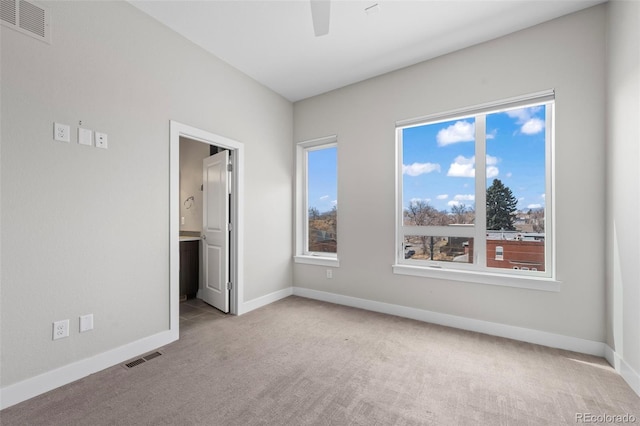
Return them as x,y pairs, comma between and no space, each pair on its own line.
27,18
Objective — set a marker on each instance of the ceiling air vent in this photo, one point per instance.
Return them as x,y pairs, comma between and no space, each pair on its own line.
27,18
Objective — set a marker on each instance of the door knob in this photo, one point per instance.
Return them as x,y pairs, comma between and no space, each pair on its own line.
204,237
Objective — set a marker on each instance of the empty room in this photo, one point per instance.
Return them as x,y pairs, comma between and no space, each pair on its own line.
319,212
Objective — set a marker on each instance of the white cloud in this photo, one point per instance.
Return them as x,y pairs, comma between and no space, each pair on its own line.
464,197
523,114
461,131
442,196
492,134
533,126
453,203
530,125
509,174
543,196
417,169
492,171
334,202
462,167
324,197
534,206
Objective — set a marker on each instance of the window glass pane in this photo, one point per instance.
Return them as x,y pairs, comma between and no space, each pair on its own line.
518,252
441,249
438,171
516,188
322,200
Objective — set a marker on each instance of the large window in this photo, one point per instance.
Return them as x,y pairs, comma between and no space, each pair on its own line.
474,190
317,201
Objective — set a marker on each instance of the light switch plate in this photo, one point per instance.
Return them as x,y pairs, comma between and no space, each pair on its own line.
101,140
85,137
86,323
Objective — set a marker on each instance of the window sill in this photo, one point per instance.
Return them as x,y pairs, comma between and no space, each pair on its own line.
317,260
518,281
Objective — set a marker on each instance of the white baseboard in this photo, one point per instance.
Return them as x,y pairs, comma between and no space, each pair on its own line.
29,388
21,391
628,374
261,301
511,332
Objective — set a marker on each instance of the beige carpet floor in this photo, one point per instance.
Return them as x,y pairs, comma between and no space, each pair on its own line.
304,362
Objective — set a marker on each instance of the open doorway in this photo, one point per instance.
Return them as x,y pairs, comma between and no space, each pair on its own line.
231,228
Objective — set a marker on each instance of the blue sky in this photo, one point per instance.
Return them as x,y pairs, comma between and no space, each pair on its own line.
439,159
322,178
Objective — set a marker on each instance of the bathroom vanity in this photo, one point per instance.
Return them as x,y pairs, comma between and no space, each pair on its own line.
189,267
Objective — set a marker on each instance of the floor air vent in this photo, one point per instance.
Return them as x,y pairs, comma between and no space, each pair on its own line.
26,17
151,356
143,359
134,363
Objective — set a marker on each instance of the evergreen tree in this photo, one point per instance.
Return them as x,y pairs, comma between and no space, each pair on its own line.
501,206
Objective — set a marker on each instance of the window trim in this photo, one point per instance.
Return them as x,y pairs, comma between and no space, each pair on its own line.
476,273
302,255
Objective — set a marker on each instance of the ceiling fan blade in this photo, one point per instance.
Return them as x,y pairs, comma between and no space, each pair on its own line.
320,14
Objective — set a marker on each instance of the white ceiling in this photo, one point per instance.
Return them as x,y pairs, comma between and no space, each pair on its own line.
273,41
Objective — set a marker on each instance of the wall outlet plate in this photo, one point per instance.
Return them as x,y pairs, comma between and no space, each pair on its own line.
60,329
61,132
101,140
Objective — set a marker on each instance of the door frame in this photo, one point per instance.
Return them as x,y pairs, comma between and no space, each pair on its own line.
236,267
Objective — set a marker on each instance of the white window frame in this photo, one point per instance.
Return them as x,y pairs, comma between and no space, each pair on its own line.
303,255
478,272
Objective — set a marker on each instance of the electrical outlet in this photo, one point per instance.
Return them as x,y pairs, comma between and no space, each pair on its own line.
329,274
60,329
61,132
102,140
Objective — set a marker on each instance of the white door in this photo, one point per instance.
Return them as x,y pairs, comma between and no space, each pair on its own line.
215,230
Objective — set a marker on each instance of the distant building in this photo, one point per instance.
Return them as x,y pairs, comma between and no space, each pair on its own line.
511,250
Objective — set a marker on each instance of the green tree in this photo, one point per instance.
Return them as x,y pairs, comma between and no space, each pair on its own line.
501,206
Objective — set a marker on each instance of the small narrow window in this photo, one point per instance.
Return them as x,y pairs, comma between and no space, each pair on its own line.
499,253
317,202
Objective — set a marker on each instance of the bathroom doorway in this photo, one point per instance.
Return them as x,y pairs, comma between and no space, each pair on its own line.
230,282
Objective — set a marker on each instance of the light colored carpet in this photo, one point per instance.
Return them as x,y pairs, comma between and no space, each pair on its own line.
304,362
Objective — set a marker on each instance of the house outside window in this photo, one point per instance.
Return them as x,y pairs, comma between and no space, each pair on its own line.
474,190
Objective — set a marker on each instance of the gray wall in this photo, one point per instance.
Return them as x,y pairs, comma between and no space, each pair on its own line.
568,55
86,230
623,197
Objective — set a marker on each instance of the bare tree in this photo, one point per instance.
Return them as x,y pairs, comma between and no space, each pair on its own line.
421,213
313,213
